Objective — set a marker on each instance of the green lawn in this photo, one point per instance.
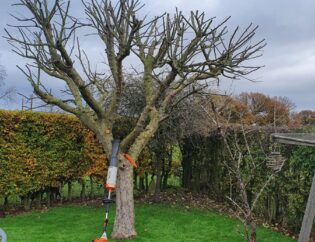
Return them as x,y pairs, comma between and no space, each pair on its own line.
154,223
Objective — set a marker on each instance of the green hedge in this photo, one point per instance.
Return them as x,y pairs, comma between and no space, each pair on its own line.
283,201
41,150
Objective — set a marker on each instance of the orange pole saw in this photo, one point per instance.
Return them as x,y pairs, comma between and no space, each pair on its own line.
110,185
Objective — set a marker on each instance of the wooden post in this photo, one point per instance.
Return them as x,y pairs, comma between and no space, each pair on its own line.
31,102
308,216
305,139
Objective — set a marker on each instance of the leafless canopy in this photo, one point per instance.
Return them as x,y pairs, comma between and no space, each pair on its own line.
176,52
175,55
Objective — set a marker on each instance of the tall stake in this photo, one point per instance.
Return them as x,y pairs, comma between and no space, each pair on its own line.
309,215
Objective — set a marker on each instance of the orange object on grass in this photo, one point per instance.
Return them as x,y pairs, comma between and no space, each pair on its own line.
101,240
131,160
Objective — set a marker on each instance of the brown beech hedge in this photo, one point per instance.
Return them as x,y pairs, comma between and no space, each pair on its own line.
41,151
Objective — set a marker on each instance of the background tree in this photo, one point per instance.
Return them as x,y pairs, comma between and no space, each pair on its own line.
245,155
267,110
177,54
6,94
304,118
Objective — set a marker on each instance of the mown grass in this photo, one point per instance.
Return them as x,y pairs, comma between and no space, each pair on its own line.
153,222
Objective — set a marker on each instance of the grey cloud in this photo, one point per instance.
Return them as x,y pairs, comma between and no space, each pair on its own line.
288,27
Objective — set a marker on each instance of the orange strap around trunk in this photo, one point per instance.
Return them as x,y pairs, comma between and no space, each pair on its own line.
131,160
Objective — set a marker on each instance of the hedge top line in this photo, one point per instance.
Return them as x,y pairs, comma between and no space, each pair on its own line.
28,112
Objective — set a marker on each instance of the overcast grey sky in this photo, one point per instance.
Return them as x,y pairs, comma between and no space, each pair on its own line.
287,25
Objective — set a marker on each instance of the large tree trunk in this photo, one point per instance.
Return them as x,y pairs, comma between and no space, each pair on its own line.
124,226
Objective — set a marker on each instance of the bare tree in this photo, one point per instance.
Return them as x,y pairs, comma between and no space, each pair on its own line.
176,53
238,157
244,148
6,94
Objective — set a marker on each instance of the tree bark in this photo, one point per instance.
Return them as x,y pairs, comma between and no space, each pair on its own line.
249,220
253,235
124,226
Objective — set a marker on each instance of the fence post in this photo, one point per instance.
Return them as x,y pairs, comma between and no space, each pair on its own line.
309,214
